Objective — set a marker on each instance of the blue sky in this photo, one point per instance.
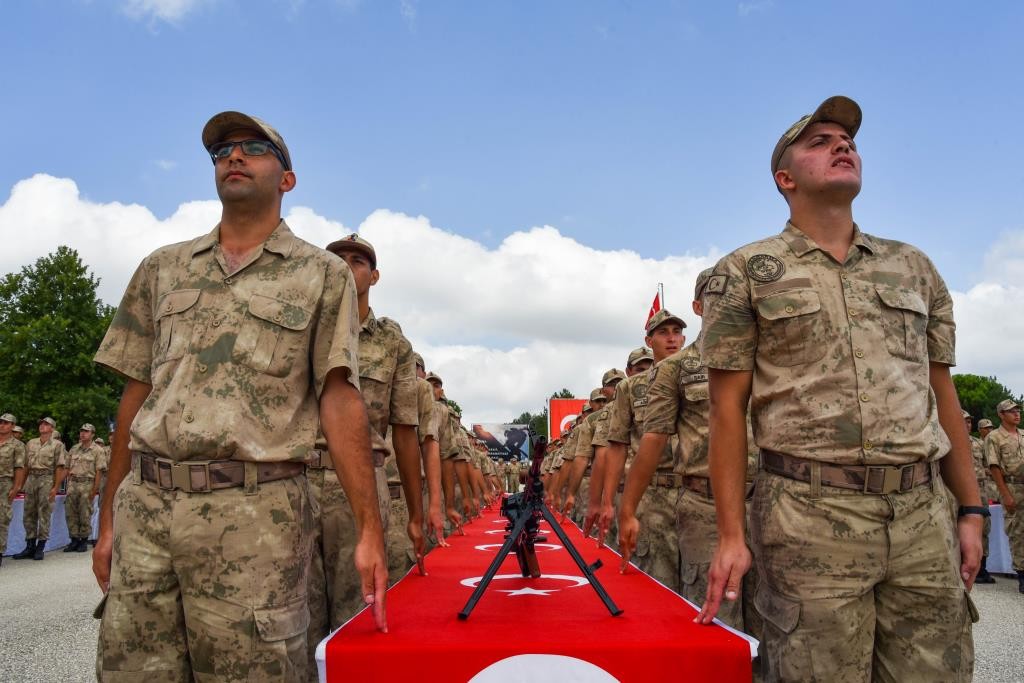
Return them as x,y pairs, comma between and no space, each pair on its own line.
645,126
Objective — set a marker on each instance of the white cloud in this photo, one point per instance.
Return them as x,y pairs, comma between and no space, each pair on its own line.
170,11
505,327
755,6
408,11
166,164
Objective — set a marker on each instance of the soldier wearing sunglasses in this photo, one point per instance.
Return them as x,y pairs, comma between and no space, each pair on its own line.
235,346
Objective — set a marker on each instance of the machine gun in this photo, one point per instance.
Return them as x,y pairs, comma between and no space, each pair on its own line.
524,511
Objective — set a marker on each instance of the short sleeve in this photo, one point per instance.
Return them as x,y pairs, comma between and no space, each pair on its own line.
941,327
583,443
729,327
621,419
428,424
404,401
127,347
19,455
663,399
992,451
336,337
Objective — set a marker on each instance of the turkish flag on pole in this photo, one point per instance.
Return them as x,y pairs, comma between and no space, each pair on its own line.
655,306
562,413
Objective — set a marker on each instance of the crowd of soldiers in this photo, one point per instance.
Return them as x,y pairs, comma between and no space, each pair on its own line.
40,469
285,450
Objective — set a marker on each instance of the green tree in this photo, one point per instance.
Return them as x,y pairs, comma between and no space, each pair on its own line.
51,323
539,421
980,395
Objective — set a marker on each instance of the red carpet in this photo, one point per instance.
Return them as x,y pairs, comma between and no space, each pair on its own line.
557,614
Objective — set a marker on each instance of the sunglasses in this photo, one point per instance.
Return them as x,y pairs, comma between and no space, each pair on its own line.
251,148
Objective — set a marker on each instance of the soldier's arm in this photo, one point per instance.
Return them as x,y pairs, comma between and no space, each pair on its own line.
727,454
430,450
615,465
992,459
20,474
639,478
134,395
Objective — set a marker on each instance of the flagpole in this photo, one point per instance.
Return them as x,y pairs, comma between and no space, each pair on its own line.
661,294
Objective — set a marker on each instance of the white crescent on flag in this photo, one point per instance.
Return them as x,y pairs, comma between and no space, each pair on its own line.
543,669
566,421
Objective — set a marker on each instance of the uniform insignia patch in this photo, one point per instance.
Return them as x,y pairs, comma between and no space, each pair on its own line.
639,390
691,364
716,284
765,268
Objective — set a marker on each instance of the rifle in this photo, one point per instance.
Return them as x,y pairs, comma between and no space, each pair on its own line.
524,511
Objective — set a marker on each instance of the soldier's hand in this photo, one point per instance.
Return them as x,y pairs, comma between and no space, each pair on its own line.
435,527
731,562
53,494
629,530
456,520
1009,504
372,566
101,555
604,521
589,521
12,495
567,505
419,543
968,529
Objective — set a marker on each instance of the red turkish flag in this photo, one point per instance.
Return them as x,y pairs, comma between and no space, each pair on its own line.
561,414
655,307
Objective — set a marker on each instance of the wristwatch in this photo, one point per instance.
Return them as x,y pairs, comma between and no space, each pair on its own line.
973,510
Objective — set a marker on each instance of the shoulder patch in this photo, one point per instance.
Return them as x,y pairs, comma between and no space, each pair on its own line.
638,390
765,268
716,285
691,364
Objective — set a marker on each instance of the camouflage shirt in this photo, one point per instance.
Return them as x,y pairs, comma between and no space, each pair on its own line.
445,436
82,460
601,425
1002,450
12,457
568,450
584,447
677,403
237,360
428,426
981,472
625,424
387,377
45,456
839,351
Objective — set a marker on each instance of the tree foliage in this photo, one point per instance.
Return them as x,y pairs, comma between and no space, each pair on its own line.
539,421
51,323
980,395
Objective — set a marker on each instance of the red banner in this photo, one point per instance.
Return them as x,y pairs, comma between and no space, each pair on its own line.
561,413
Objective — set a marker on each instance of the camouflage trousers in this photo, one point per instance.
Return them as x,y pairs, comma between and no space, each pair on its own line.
858,587
582,498
335,587
78,508
657,545
1014,525
38,508
401,555
6,484
207,586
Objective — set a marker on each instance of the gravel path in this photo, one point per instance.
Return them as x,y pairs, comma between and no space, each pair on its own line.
49,633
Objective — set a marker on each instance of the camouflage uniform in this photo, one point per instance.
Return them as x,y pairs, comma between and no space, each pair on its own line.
42,460
387,377
82,461
1002,452
212,586
986,487
12,457
585,449
102,466
428,428
840,359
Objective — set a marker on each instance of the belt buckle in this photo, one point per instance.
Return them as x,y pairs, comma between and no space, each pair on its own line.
181,476
164,473
890,479
906,474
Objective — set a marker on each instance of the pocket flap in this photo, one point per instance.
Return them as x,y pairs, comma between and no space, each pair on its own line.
688,574
789,304
902,299
282,623
279,312
177,301
781,611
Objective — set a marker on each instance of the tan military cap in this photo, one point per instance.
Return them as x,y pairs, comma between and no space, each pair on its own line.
100,441
638,354
53,423
964,413
702,282
660,318
597,395
354,242
836,109
87,427
1006,406
985,423
222,124
432,377
419,360
611,376
586,407
18,430
7,417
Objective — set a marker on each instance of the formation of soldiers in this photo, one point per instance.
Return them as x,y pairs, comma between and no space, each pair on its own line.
288,451
40,469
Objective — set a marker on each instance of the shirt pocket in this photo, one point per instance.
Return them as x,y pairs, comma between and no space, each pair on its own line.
792,327
175,320
904,319
272,336
694,387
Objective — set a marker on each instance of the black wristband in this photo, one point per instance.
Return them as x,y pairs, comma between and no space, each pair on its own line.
973,510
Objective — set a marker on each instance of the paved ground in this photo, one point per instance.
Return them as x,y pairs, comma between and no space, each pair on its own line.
49,633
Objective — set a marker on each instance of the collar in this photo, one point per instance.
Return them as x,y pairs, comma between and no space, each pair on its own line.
801,244
281,241
369,325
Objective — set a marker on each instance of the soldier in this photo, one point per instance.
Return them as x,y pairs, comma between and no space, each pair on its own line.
12,474
563,465
235,346
985,427
1004,453
647,512
610,382
19,433
45,460
83,484
447,448
987,489
840,342
428,433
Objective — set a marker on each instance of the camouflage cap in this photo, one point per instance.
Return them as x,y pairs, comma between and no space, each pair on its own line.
419,360
7,417
455,409
985,423
1007,405
597,395
434,377
354,242
220,125
87,427
836,109
964,414
612,376
702,282
50,421
638,354
586,407
18,430
660,318
100,441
